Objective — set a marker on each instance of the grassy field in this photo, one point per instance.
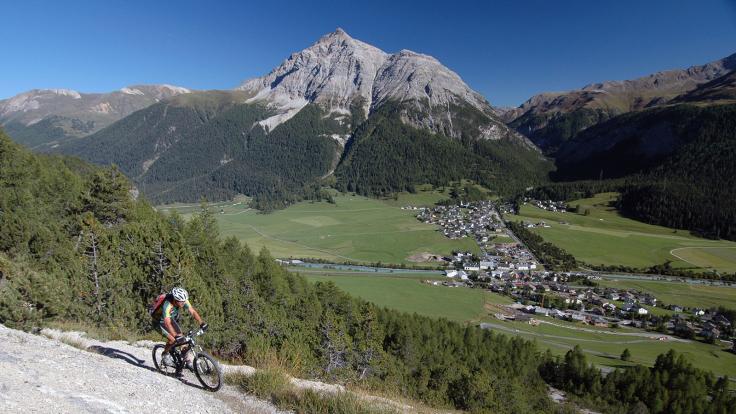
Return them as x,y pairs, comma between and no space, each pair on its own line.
408,294
353,229
683,294
604,346
605,237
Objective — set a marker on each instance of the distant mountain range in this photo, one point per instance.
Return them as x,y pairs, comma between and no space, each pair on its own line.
549,119
341,110
46,116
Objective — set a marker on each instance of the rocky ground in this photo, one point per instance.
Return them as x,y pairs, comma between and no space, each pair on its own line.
67,372
47,373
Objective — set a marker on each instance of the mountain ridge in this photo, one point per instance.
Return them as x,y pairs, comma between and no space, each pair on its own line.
550,118
278,136
43,116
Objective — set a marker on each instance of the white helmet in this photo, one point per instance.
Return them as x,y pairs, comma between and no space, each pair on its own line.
180,294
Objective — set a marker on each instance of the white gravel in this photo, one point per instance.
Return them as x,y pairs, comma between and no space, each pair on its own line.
67,372
42,375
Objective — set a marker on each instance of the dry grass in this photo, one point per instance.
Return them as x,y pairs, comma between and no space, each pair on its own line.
275,386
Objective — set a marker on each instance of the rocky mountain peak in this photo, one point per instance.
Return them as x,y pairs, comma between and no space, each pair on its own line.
74,113
158,92
411,76
338,72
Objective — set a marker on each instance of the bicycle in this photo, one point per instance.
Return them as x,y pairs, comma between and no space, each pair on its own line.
205,367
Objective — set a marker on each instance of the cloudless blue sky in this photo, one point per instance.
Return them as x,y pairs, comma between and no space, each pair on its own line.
507,50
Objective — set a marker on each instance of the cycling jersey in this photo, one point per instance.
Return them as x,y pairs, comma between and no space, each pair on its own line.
169,310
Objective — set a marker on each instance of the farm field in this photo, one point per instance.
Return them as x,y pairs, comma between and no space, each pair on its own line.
605,237
355,229
604,346
683,294
408,294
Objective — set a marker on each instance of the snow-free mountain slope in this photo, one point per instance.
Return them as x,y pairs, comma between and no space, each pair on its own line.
551,118
343,75
336,72
41,116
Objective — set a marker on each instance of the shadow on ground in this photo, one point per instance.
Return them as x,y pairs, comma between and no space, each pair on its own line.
133,360
121,355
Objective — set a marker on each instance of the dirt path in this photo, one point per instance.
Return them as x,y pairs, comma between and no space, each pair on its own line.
672,252
650,335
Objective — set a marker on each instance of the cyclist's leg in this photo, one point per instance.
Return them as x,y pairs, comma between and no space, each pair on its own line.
170,340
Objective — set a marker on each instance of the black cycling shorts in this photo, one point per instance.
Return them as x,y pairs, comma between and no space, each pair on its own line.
162,328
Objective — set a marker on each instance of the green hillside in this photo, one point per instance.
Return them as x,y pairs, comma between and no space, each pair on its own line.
386,155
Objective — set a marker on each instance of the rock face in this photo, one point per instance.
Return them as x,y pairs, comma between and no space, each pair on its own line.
410,76
551,118
70,113
720,89
43,375
342,75
336,72
68,372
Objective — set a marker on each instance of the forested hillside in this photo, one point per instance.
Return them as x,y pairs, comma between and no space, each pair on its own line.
134,142
550,119
677,162
233,154
387,155
206,144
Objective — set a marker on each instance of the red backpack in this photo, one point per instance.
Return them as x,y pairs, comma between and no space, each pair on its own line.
153,307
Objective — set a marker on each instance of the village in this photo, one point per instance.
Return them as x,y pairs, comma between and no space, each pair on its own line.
510,268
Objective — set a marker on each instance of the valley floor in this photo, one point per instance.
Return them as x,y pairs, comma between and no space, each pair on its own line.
354,228
598,234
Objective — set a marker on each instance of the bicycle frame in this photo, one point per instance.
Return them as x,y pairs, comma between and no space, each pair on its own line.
190,341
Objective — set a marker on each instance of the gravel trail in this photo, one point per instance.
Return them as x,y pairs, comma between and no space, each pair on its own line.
43,375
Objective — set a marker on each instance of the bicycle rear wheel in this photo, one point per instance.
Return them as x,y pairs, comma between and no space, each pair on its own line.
157,354
208,371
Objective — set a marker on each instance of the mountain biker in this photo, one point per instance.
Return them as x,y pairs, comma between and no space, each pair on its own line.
166,318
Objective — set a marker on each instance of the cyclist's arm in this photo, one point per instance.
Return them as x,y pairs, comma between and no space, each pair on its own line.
195,314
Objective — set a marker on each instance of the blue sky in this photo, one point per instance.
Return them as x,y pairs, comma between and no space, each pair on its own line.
507,50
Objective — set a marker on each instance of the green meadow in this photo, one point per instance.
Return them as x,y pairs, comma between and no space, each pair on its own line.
407,293
602,236
354,228
604,346
680,293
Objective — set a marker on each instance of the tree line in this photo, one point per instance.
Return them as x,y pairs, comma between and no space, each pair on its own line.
553,257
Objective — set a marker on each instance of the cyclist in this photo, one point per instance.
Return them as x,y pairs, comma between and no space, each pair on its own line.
166,319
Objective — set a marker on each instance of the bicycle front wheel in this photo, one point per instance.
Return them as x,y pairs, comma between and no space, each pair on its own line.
208,371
